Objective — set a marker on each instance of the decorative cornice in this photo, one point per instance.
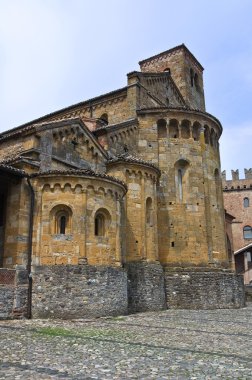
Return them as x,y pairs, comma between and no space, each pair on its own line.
227,189
79,173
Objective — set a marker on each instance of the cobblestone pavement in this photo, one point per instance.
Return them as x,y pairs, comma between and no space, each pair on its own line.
172,344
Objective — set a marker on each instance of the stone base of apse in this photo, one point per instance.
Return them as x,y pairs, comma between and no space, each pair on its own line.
146,290
74,291
84,291
203,289
13,293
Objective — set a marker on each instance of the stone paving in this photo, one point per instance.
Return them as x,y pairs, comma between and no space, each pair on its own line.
172,344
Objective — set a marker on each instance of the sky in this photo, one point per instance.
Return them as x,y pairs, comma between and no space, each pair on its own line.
55,53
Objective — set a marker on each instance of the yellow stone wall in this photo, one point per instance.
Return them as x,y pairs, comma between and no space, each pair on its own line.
11,148
186,227
191,230
118,107
140,210
17,226
83,197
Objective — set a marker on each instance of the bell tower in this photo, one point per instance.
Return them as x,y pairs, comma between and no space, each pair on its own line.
184,69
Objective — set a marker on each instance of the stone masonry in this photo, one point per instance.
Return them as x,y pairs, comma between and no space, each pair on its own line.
101,200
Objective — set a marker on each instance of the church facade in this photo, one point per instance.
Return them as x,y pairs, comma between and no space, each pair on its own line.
114,205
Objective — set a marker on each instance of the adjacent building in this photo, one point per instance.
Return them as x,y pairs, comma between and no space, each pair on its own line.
238,201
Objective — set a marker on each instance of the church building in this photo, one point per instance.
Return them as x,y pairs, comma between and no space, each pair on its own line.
114,205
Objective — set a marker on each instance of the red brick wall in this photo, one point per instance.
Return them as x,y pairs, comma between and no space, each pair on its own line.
234,193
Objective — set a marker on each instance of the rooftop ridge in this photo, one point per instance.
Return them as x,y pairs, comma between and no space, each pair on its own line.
68,108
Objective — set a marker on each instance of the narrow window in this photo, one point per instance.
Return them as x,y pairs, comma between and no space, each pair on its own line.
246,202
185,129
180,184
173,128
62,225
196,81
99,225
191,77
247,232
161,128
61,220
218,187
149,212
104,118
181,180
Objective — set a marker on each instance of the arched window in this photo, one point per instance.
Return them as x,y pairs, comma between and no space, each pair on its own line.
181,180
167,70
99,225
213,138
149,212
185,129
180,184
101,222
173,129
247,232
246,202
161,128
61,220
104,118
207,134
196,131
62,224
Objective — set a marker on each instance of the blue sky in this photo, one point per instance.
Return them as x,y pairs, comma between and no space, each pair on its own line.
54,53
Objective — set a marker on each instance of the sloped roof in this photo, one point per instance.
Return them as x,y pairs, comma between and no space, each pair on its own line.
29,125
125,157
178,47
13,171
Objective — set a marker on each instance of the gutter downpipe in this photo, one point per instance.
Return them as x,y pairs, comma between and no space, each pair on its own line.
29,259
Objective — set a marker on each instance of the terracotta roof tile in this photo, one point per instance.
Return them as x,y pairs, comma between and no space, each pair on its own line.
132,159
78,172
12,170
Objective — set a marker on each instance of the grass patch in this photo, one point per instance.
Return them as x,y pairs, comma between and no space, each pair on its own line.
84,333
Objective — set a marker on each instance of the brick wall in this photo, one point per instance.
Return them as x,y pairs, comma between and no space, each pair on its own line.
235,191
